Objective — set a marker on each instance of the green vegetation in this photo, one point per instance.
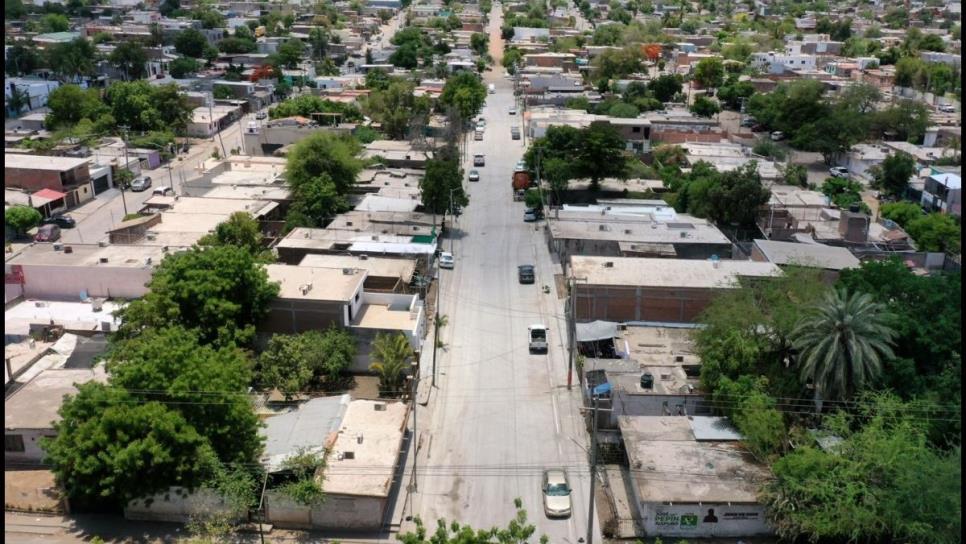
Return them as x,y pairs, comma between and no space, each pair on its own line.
396,109
727,198
182,67
705,107
190,43
566,153
841,342
466,93
240,230
321,170
832,126
518,531
21,218
894,173
304,486
391,356
842,192
130,58
218,292
307,104
291,363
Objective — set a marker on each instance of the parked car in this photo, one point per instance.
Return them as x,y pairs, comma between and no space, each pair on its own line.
520,167
163,190
515,132
513,110
62,221
519,195
446,260
526,273
749,122
479,160
537,335
947,108
556,493
478,135
141,184
777,135
474,175
261,115
480,123
47,233
839,172
529,215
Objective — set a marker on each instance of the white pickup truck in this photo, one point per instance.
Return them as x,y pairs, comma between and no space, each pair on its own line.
538,338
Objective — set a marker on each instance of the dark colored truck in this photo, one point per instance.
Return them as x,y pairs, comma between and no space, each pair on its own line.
521,180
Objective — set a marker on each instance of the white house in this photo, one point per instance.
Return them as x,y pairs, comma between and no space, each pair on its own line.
943,192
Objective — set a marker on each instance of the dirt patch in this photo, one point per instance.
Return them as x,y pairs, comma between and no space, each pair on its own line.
365,387
31,491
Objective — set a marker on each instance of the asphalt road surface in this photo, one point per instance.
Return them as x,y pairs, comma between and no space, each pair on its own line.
500,415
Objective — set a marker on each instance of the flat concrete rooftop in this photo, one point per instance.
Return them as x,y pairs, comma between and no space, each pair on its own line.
650,272
369,443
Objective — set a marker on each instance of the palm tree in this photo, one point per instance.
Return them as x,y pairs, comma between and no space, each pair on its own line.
842,341
391,354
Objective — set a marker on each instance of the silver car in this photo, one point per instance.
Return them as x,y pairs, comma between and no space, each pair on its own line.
556,493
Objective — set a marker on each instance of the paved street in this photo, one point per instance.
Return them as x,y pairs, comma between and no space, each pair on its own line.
500,415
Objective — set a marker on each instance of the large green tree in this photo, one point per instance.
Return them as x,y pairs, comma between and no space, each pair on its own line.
220,292
896,171
291,363
73,60
441,189
240,230
143,107
110,447
882,483
207,385
324,153
130,58
600,154
842,342
190,43
68,104
665,86
395,108
465,92
21,218
709,73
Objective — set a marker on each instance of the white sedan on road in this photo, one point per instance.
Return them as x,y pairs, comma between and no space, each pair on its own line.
556,493
446,260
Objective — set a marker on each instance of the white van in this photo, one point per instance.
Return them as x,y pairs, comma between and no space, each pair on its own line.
538,337
163,191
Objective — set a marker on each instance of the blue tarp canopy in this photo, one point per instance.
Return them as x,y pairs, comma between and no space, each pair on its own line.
602,389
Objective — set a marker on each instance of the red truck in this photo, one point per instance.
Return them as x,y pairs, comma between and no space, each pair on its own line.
521,180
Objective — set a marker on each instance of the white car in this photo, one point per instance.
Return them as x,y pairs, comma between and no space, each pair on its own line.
446,260
520,167
777,135
839,172
513,110
537,335
556,493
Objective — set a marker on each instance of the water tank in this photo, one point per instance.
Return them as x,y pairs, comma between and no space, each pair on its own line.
647,381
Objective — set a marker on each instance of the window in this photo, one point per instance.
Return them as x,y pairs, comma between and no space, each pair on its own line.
635,130
13,442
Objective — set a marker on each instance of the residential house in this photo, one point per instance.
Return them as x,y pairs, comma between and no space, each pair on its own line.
359,475
719,498
383,274
943,192
66,181
638,229
33,93
648,289
67,271
829,259
31,411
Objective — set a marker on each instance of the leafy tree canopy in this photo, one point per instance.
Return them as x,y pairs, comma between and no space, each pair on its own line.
221,292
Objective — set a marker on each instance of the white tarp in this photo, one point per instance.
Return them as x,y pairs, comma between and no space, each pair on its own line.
596,330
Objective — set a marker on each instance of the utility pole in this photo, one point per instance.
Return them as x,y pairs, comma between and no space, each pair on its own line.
415,435
593,475
571,319
211,119
124,140
439,291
